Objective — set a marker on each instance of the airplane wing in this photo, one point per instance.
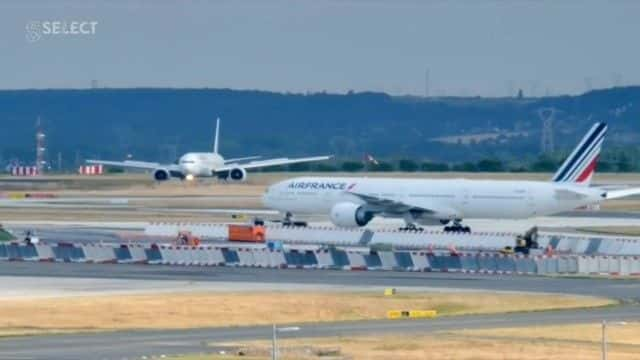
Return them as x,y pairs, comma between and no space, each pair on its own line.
617,194
427,208
270,162
234,160
133,164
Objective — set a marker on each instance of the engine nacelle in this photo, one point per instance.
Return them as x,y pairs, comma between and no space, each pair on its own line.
347,214
237,174
161,175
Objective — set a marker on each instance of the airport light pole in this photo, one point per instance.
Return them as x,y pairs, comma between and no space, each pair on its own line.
604,335
274,338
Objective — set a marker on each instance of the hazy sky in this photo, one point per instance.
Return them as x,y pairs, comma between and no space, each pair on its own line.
470,47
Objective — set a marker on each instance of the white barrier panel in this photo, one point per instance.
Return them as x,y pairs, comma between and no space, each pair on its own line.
610,247
634,267
314,235
583,264
614,265
388,260
420,261
442,240
138,254
325,260
563,265
245,257
215,257
44,252
260,258
189,255
201,256
630,247
99,254
356,260
603,264
625,265
277,259
169,255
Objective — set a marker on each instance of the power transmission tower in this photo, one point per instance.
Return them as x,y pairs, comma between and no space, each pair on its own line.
40,147
546,140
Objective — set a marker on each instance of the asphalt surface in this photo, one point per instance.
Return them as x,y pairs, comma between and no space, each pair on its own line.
625,290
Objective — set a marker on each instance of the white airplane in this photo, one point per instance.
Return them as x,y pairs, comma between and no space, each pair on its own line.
206,164
353,202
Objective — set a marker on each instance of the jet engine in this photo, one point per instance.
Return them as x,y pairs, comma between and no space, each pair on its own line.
161,174
346,214
238,174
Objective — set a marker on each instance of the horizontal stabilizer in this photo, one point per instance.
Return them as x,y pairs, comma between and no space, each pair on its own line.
617,194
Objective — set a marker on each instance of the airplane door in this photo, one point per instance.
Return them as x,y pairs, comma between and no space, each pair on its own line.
531,203
464,200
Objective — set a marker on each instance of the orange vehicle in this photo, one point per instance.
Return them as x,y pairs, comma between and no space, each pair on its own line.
247,233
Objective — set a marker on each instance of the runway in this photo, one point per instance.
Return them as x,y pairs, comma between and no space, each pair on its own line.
625,290
137,344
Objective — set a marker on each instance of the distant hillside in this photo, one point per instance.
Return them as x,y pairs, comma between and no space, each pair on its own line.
158,124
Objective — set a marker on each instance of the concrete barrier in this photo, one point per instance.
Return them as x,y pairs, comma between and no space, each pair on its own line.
65,252
44,252
372,261
525,265
404,261
388,260
99,253
311,257
245,257
420,261
277,259
356,261
4,254
138,255
325,259
340,258
486,263
154,256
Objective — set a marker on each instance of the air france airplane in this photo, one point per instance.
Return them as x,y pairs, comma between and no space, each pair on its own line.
206,164
353,202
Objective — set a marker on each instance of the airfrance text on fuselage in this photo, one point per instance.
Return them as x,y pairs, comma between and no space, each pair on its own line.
318,185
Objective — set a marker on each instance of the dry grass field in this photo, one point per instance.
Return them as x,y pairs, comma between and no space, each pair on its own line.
579,342
193,310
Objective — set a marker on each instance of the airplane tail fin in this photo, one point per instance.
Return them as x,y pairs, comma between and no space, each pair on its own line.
580,166
215,138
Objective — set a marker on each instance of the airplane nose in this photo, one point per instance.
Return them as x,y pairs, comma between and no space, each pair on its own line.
267,196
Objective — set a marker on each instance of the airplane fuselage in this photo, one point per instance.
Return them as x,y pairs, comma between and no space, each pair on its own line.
458,198
200,164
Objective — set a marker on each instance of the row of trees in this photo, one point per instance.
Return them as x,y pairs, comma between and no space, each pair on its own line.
542,164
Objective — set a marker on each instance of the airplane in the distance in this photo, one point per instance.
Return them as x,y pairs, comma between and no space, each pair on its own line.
355,201
206,164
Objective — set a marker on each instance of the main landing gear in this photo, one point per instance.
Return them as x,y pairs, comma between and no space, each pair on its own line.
411,227
289,221
457,227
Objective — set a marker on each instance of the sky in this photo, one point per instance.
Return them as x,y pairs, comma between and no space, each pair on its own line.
468,48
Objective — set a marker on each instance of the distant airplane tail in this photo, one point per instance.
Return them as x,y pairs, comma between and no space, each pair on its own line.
581,164
215,137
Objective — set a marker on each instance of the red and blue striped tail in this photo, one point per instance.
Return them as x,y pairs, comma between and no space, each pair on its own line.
581,164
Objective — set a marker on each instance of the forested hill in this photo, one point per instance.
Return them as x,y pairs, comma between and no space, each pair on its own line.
157,124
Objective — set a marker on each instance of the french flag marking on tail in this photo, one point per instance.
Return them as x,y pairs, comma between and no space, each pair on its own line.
581,164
